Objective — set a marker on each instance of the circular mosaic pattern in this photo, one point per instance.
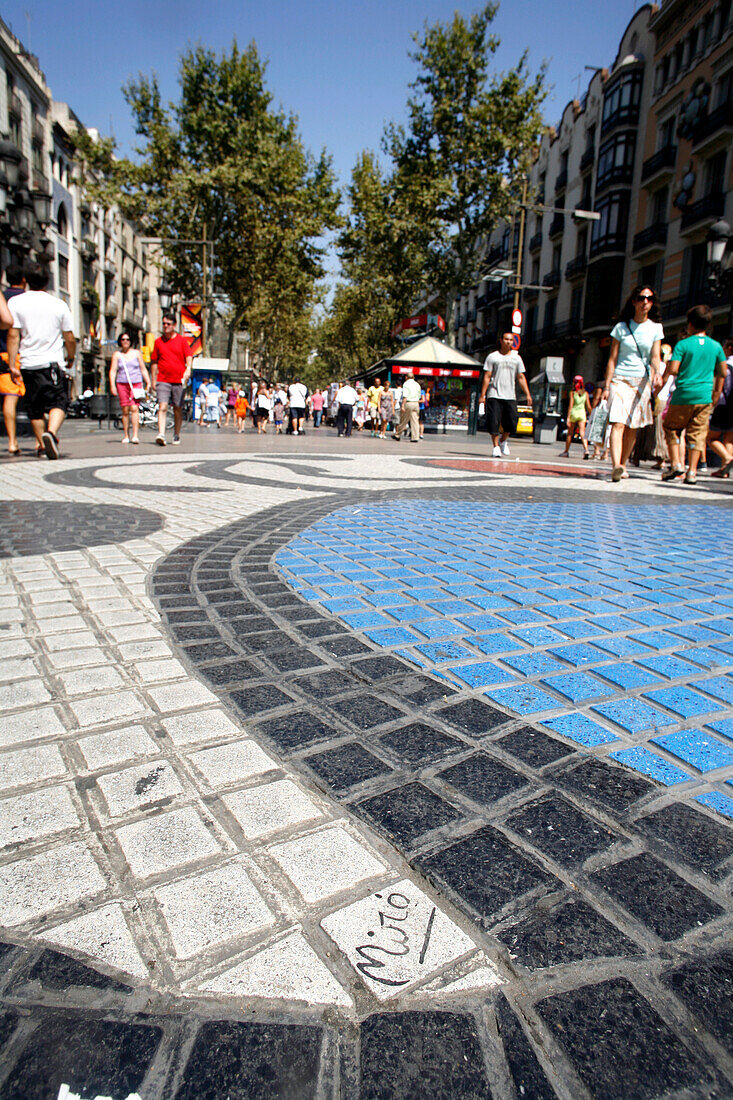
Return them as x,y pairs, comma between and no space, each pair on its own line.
33,527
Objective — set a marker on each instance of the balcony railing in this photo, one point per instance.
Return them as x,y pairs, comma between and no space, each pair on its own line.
552,279
676,307
650,237
15,105
471,316
37,132
627,115
568,328
575,267
535,242
562,181
88,248
618,173
587,159
610,242
493,292
557,226
546,333
110,307
708,208
708,126
496,254
530,294
665,159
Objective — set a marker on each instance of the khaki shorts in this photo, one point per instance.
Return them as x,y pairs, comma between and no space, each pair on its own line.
693,420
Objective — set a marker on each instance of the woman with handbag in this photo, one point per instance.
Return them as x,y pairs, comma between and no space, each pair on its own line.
632,373
128,380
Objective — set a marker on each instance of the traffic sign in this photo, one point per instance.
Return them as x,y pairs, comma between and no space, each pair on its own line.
517,318
516,341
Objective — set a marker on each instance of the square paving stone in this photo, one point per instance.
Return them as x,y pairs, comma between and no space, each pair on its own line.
568,932
578,686
256,700
613,788
419,744
627,676
326,862
374,669
165,841
346,765
60,972
649,763
366,711
324,685
263,810
232,672
695,747
92,1057
140,787
422,690
561,831
656,896
234,762
533,746
297,730
618,1044
406,1054
317,629
405,813
472,717
252,1062
292,660
524,1068
524,699
634,716
705,987
580,728
486,871
682,701
695,838
345,647
483,779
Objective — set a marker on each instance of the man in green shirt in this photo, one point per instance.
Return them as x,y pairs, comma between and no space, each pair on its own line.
700,369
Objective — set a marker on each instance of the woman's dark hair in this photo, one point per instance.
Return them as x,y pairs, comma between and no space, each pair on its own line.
627,313
127,334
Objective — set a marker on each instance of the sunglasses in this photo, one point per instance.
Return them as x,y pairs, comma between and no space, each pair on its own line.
644,297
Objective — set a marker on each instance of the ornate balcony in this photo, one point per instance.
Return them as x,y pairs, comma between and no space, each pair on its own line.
557,226
711,125
662,162
575,267
708,208
552,279
653,237
535,243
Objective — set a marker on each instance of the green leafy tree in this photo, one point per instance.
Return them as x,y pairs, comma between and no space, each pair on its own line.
222,163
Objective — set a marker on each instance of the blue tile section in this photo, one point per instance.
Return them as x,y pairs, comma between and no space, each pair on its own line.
526,699
717,801
634,715
580,728
695,747
682,701
648,763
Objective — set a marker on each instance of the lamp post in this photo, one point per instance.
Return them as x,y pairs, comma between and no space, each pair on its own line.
21,212
165,294
720,261
206,290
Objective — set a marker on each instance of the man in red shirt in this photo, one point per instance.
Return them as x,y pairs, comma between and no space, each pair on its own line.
171,362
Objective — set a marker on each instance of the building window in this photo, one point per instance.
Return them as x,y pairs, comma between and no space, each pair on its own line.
576,304
616,160
621,103
535,276
63,273
658,206
62,222
556,254
651,275
581,243
724,89
665,133
550,311
715,173
609,233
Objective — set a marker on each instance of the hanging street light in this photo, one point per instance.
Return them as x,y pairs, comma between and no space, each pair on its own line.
165,294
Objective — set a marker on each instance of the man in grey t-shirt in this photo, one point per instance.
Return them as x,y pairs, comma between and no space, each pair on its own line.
499,388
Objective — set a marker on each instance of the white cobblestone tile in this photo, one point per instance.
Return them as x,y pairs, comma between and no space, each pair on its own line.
23,693
165,841
120,618
104,750
32,887
181,696
36,815
21,766
232,763
48,611
58,594
87,680
143,631
287,970
88,656
108,708
104,936
20,668
15,647
27,725
154,672
11,615
261,811
107,603
65,624
212,908
374,932
82,639
201,725
139,651
326,862
139,787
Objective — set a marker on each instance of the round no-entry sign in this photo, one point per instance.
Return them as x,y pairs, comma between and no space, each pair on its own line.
517,317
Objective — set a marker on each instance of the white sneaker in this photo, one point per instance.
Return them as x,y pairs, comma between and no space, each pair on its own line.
505,448
496,453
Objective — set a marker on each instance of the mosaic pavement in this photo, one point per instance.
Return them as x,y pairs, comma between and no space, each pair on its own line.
363,778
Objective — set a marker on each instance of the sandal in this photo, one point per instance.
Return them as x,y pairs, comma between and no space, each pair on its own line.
724,471
617,473
14,451
673,473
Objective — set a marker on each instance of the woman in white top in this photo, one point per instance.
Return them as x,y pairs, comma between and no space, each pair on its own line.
128,380
633,371
263,405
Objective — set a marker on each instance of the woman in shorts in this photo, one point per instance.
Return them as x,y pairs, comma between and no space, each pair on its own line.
262,408
128,375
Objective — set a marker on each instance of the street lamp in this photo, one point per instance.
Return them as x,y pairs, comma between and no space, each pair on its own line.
720,257
165,293
42,201
10,158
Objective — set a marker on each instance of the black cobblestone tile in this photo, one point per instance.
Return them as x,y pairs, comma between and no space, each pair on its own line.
59,972
191,632
656,896
705,986
618,1044
483,779
252,1062
296,730
346,765
293,660
695,839
425,1055
472,717
247,624
527,1075
325,685
317,629
203,651
344,647
231,672
93,1057
615,788
8,1023
374,669
193,615
568,932
421,690
486,871
561,831
366,711
419,744
256,700
533,747
405,813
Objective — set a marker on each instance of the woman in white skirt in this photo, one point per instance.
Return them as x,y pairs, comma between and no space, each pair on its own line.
633,371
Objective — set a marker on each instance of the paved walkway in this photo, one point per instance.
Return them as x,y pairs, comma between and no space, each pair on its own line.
342,769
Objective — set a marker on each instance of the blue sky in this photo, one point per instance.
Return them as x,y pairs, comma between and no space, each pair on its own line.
341,67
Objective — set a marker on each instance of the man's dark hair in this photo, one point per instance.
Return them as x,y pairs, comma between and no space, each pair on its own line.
699,317
507,332
15,274
169,317
37,276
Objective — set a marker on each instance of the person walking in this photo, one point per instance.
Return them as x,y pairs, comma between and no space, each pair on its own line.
699,367
386,410
297,396
262,409
632,373
240,410
231,402
720,433
410,410
345,399
502,370
10,390
374,396
42,333
172,359
213,397
317,401
578,413
128,381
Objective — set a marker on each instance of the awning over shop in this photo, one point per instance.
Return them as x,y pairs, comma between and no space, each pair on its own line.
430,358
